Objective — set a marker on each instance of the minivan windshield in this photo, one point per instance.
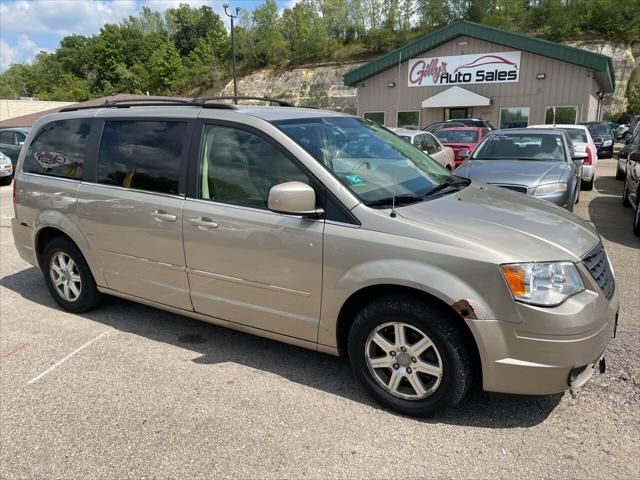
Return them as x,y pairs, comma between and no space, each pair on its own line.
374,163
520,146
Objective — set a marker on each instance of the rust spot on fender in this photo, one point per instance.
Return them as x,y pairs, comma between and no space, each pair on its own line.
464,308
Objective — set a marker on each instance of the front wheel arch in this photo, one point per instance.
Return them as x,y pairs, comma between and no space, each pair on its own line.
358,300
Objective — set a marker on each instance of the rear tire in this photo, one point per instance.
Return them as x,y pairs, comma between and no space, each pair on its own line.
68,276
619,174
4,181
587,186
407,379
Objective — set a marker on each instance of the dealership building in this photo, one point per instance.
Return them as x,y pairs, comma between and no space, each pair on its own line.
471,70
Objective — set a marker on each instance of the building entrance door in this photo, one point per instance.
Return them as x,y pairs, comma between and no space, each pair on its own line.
457,112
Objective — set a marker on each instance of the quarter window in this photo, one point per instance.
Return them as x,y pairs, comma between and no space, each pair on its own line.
59,149
144,155
239,167
377,117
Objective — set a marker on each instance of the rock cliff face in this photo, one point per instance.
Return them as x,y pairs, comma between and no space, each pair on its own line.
322,86
317,86
626,66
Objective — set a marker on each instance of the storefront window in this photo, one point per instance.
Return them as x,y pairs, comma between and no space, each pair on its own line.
554,115
514,117
377,117
409,120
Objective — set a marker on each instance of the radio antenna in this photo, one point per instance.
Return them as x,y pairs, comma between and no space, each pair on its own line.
393,207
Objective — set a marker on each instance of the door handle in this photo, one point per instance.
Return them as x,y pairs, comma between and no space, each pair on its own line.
163,216
203,222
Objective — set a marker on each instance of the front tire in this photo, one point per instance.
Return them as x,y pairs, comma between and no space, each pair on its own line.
4,181
409,355
68,276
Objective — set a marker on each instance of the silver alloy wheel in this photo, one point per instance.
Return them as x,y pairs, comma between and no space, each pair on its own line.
65,276
403,360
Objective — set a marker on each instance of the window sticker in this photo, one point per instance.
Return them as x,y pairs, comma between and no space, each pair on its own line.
51,159
355,180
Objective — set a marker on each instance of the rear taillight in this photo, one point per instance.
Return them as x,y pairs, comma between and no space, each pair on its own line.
589,159
15,214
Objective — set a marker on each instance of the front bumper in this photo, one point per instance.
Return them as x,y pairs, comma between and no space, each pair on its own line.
605,152
538,355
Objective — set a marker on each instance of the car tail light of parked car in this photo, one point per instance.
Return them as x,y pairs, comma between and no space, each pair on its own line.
589,159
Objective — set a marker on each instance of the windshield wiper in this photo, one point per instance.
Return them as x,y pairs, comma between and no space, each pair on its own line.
461,182
403,199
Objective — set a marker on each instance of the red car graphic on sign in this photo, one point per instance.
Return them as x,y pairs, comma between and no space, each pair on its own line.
488,60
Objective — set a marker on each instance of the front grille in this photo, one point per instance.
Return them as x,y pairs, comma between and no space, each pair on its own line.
598,265
515,188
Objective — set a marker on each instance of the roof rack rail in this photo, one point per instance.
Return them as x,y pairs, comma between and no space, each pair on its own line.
153,102
204,100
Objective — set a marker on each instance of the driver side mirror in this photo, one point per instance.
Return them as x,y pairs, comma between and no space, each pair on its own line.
293,198
464,154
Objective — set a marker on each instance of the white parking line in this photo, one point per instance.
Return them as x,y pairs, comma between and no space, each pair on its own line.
71,355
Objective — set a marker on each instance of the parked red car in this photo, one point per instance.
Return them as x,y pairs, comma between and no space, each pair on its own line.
462,140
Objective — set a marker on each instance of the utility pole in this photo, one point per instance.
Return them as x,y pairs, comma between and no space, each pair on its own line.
233,51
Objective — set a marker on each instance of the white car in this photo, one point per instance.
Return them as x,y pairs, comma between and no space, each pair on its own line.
6,169
582,142
429,144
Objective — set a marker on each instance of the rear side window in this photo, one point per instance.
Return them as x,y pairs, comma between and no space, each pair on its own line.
144,155
59,149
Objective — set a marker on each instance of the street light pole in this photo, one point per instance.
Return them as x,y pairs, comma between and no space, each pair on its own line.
233,51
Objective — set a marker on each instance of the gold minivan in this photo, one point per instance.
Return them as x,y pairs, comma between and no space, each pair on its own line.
321,230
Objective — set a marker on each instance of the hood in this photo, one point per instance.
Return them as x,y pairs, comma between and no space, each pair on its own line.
516,172
528,228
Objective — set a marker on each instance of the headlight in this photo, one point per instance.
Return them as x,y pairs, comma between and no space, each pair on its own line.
550,188
546,284
4,159
607,143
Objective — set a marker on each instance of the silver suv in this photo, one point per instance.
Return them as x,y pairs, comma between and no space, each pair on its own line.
322,230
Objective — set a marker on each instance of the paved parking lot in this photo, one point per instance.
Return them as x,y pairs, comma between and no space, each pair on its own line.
130,391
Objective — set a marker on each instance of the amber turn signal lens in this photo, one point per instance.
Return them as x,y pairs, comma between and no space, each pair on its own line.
515,277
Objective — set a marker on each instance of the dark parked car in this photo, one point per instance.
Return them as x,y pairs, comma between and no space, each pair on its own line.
475,122
602,137
631,142
631,192
541,163
11,140
434,127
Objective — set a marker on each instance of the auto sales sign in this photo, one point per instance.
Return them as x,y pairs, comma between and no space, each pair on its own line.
499,67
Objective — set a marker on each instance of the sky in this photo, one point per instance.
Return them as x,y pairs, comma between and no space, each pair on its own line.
29,26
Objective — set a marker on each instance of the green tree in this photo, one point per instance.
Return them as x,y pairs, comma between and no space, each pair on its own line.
633,97
165,68
305,32
270,45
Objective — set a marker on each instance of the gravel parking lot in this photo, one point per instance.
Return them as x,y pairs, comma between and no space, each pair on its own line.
128,391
